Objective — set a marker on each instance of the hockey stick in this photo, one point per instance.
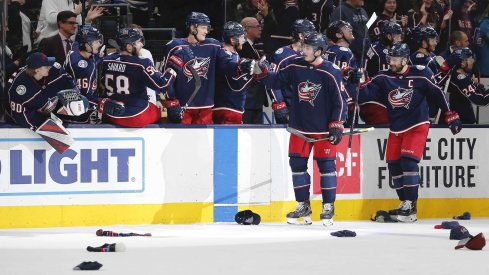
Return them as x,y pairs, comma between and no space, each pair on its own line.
345,132
370,22
198,83
113,43
441,62
109,233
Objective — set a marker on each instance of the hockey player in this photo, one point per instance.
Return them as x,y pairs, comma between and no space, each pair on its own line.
426,39
126,77
81,65
317,109
32,91
280,59
376,61
230,84
318,12
463,90
341,34
404,90
205,50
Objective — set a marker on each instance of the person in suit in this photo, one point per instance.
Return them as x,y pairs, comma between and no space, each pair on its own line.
59,45
256,96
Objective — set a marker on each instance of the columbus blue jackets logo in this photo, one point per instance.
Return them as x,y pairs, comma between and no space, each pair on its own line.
201,65
308,91
400,97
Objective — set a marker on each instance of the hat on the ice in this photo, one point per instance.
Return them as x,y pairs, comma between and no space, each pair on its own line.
88,266
459,233
464,216
382,216
38,59
447,225
247,217
344,233
474,243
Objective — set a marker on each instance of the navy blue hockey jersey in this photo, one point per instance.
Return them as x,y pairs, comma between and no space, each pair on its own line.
84,72
376,59
204,63
343,57
126,78
317,99
280,59
318,12
405,96
26,98
463,91
230,87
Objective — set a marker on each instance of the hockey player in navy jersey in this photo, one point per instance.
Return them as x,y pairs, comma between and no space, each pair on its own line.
463,91
231,84
376,60
341,34
318,12
32,92
426,39
280,59
317,109
404,90
126,77
205,50
81,65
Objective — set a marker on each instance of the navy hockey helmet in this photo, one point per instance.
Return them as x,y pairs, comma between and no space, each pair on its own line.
335,27
197,18
391,28
232,30
423,33
458,56
128,36
399,50
317,40
302,26
88,34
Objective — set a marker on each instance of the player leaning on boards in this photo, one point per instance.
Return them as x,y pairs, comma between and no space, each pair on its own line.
404,90
317,109
126,77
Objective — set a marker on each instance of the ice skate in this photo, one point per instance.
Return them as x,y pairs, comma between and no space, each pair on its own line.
407,212
394,212
327,214
303,211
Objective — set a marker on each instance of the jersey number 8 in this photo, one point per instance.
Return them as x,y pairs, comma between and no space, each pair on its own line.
118,85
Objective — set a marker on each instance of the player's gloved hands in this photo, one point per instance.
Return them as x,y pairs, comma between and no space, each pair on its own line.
335,132
245,66
261,68
174,110
453,121
280,110
180,57
111,107
353,75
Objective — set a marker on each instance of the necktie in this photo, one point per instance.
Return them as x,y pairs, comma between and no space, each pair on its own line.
68,45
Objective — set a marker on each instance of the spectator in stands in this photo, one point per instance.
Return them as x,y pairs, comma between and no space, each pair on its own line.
426,13
388,13
318,12
483,49
19,34
464,16
352,12
262,11
59,44
256,96
48,25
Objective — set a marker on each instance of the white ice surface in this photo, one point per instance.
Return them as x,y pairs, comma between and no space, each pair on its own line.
269,248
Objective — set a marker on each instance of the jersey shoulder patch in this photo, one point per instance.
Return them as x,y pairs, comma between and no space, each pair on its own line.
419,55
344,49
279,51
82,64
57,65
420,67
461,76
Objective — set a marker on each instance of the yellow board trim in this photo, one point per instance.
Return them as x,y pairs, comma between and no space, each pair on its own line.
185,213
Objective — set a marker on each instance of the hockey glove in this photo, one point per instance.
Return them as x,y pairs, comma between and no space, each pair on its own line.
353,75
260,70
180,57
110,107
453,121
335,132
280,110
174,110
74,103
245,66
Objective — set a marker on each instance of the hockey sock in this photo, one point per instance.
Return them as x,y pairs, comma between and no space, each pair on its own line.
411,179
395,171
300,178
327,169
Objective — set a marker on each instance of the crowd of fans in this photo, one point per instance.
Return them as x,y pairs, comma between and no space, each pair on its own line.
431,28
